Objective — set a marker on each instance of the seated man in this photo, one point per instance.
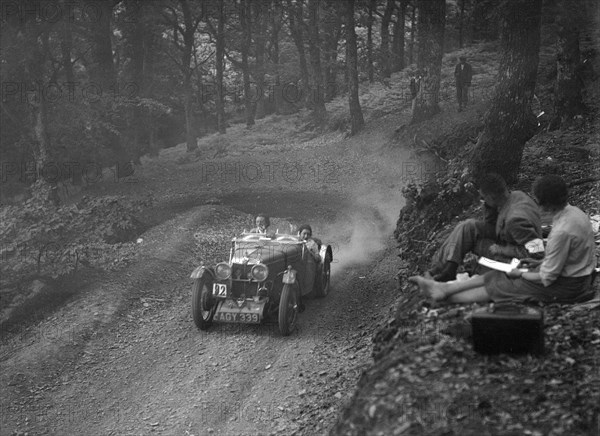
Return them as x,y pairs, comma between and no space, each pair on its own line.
511,228
564,275
313,245
262,223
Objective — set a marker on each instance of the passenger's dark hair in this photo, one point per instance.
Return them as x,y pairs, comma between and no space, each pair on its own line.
266,217
551,191
305,227
492,184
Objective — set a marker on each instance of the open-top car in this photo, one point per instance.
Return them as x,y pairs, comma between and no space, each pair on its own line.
264,279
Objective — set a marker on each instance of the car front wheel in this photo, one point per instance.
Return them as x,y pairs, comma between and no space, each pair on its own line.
288,309
203,308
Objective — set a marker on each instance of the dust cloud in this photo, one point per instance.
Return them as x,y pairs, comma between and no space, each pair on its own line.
364,229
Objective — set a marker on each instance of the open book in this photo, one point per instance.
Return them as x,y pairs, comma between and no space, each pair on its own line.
500,266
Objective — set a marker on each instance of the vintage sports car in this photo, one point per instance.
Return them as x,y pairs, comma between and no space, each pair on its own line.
263,280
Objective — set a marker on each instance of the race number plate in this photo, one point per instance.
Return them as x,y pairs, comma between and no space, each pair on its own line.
248,318
219,289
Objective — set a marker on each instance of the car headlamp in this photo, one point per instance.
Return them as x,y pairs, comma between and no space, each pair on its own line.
223,271
259,272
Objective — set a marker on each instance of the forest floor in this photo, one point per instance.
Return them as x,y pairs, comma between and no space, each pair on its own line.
426,378
115,351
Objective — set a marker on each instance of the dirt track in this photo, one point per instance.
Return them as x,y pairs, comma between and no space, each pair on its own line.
121,354
125,358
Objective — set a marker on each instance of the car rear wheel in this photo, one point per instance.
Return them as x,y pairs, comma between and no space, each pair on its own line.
203,307
322,283
288,309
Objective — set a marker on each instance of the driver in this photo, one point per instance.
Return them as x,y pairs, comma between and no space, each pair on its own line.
305,234
262,223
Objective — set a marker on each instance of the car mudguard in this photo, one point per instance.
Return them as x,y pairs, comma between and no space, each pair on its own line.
200,271
326,251
289,276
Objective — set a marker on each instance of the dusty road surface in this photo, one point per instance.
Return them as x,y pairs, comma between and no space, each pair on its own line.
117,353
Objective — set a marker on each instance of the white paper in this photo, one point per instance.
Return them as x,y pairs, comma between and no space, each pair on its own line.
499,266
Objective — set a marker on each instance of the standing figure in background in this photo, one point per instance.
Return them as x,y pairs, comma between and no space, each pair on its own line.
463,74
414,88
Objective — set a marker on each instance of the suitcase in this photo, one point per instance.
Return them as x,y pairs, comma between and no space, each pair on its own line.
508,328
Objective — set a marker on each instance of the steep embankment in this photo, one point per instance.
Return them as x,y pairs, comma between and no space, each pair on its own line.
426,378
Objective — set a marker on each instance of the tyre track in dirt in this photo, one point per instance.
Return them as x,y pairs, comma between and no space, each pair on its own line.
129,360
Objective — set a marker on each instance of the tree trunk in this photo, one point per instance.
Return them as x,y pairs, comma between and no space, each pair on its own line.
66,47
370,67
104,79
296,24
276,18
317,91
103,70
356,118
259,69
485,21
509,122
133,34
461,18
432,19
398,40
413,27
384,51
186,67
331,36
568,101
245,23
220,57
38,104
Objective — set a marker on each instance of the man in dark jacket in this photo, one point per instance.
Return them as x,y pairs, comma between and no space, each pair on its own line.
463,74
511,228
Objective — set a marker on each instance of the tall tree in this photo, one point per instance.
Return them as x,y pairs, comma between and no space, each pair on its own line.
384,50
276,20
331,36
220,66
509,122
259,20
356,118
461,21
186,29
568,101
66,42
370,21
398,38
246,25
37,69
103,76
413,28
297,24
317,90
431,23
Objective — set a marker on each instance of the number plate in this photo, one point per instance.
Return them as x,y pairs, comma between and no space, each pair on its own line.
247,318
219,289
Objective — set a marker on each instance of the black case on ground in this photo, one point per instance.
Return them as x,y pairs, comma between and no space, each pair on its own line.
510,328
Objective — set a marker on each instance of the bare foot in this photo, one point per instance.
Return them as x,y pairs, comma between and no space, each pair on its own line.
428,275
429,288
